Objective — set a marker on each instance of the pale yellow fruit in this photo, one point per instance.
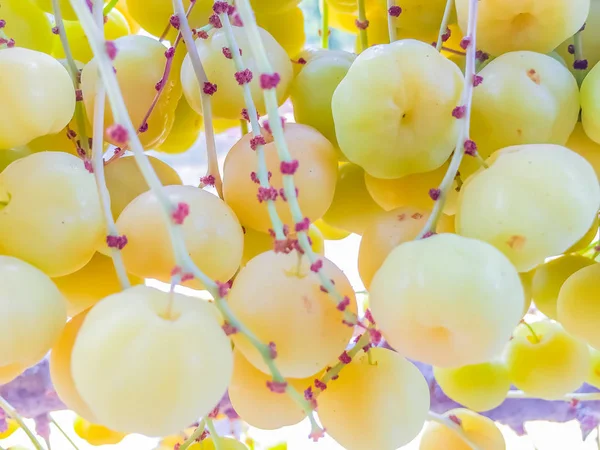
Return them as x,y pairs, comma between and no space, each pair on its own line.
66,10
256,242
393,126
224,444
50,214
287,27
33,313
37,96
315,177
590,37
580,143
116,26
527,282
27,25
11,155
293,312
427,292
151,362
388,382
96,434
228,101
540,26
411,190
352,208
125,181
90,284
548,365
479,387
578,308
587,238
387,232
330,232
549,278
139,64
590,111
256,404
480,430
153,15
212,233
534,201
593,377
525,98
185,131
60,368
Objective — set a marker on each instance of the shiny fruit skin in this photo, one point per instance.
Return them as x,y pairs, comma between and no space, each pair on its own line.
525,98
286,27
293,312
228,101
65,8
387,232
352,208
153,15
384,382
139,63
480,430
115,27
330,232
383,124
96,434
33,312
312,90
426,293
479,387
27,25
505,26
60,368
581,144
185,131
578,304
257,405
37,94
548,365
90,284
143,338
125,182
211,231
51,217
526,189
315,177
549,278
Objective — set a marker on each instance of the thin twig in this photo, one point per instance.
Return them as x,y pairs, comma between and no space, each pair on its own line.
17,418
444,25
53,422
445,421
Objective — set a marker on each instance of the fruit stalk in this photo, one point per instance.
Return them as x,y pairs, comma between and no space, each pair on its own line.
195,435
363,24
59,428
464,131
74,72
98,163
578,44
213,432
454,427
324,24
262,173
270,96
182,257
14,415
109,7
391,20
444,25
211,148
575,396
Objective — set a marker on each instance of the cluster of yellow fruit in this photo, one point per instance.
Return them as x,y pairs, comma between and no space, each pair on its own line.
375,140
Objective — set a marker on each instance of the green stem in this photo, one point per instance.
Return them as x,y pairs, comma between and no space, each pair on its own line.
532,331
443,420
80,118
444,25
98,165
392,28
63,432
578,44
195,435
362,17
270,96
17,418
109,7
324,24
213,432
579,396
464,131
209,131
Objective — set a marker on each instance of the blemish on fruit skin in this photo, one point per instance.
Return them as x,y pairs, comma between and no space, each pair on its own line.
417,216
534,76
307,304
516,242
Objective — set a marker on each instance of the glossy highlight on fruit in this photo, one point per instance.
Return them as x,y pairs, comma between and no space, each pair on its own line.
385,381
526,189
37,96
426,293
294,312
144,338
401,125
